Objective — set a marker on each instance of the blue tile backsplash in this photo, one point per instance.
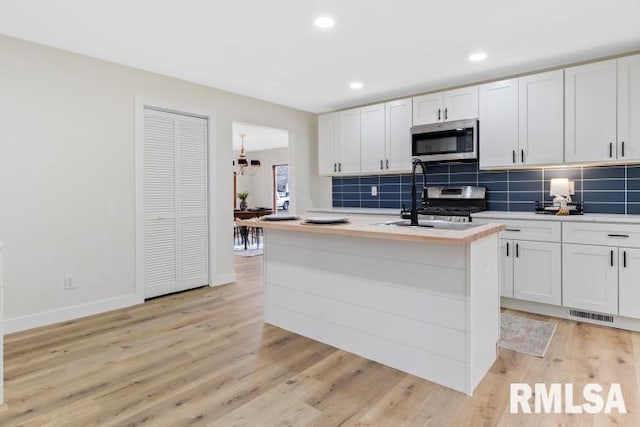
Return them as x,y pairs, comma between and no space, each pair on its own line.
603,189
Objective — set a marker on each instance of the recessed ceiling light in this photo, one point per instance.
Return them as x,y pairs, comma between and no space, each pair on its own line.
324,22
478,56
355,85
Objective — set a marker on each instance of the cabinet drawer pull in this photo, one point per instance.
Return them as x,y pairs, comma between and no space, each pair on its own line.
513,230
611,255
507,249
618,235
624,259
517,250
611,149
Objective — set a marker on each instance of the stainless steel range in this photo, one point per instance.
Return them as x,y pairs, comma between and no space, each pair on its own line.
450,203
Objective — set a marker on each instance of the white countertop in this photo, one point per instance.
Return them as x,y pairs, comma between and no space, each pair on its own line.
588,217
372,227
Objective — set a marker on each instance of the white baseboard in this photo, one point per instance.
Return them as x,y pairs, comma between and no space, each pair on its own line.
223,279
22,323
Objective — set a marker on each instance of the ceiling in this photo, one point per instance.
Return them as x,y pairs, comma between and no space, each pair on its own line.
271,50
259,138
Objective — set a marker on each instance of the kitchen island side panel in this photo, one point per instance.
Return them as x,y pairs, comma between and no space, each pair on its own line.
403,304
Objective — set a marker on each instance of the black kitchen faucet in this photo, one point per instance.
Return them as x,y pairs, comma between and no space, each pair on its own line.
414,193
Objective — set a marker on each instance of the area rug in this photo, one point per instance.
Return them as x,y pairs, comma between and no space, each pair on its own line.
525,335
248,252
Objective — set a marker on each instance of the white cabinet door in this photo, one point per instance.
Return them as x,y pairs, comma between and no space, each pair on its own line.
398,140
629,108
506,268
461,103
498,124
629,284
372,138
348,147
590,112
541,122
428,109
590,277
537,272
327,140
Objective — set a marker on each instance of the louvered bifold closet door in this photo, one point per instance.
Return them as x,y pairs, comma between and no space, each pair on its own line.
160,228
191,143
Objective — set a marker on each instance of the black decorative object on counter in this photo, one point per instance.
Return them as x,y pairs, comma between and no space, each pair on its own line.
548,208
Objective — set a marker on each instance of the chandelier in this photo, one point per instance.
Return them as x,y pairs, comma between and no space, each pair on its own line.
243,165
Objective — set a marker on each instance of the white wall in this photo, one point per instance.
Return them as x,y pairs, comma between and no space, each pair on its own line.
259,186
67,127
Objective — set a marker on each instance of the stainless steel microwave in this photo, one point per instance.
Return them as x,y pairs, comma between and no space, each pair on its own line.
447,141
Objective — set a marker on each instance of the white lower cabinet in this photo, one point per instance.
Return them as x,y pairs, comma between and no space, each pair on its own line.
590,277
531,271
629,282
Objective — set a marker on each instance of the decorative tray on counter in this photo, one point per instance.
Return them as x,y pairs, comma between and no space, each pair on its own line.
326,220
279,217
548,208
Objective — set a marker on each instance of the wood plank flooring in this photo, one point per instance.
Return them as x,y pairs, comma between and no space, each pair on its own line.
204,357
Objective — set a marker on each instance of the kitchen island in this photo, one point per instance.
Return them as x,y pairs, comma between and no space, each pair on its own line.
424,301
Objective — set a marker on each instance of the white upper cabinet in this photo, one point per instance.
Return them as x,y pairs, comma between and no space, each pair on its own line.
590,112
457,104
427,109
498,126
398,135
629,108
541,118
460,104
348,147
327,140
372,138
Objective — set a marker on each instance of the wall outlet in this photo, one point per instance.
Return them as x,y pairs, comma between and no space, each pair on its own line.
69,282
374,190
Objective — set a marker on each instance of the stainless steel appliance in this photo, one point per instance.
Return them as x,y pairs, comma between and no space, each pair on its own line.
456,140
450,203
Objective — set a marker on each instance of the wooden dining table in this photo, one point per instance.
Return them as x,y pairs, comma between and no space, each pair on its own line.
248,214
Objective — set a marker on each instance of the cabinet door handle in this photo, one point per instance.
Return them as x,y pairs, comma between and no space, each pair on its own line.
622,149
618,235
624,259
507,249
339,167
387,163
513,156
517,250
446,113
335,167
512,229
611,149
381,165
611,256
521,156
439,114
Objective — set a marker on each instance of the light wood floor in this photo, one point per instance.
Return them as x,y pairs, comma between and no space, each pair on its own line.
205,358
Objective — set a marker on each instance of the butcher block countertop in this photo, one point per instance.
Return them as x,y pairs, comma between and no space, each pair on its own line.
368,226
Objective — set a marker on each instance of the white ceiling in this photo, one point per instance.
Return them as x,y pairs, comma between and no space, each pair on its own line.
271,50
259,138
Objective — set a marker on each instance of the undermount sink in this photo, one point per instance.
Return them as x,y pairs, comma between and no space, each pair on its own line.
442,225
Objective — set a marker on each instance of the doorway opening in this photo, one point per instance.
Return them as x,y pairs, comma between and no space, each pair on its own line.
281,195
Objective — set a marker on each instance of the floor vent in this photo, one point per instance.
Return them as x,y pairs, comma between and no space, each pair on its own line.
591,316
